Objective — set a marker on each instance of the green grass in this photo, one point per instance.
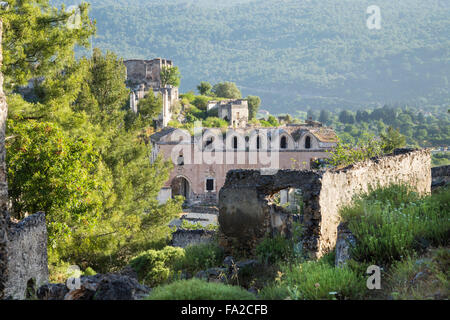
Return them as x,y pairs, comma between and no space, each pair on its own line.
392,223
318,280
196,289
421,278
200,257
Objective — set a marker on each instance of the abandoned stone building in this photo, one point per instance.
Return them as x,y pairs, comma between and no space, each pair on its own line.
235,111
201,161
143,75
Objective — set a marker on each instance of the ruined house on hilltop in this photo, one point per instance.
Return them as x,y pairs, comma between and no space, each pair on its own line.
143,75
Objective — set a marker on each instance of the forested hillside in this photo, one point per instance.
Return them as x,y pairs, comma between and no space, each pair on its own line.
292,53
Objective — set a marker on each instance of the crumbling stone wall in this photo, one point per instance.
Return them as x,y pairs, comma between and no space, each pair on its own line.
340,186
27,263
246,214
23,245
183,238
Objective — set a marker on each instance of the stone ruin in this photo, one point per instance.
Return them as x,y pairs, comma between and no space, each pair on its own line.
23,245
247,214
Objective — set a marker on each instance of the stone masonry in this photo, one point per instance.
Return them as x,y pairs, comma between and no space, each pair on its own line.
246,213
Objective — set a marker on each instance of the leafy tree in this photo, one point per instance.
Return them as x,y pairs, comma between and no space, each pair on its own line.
150,106
253,106
201,102
392,140
347,117
37,41
204,88
227,90
170,76
52,172
104,93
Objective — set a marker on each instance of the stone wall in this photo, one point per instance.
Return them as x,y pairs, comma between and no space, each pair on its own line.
440,176
23,245
183,238
27,263
246,214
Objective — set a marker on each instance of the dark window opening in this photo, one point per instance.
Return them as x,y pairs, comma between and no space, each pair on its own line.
258,143
209,141
235,142
308,143
181,160
209,184
283,144
31,289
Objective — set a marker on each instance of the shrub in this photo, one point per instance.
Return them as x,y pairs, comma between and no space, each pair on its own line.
196,289
274,292
314,280
201,256
155,267
393,222
273,250
420,278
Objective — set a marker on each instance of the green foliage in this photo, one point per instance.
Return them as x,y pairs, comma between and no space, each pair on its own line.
89,272
37,41
345,154
200,257
274,292
204,88
317,280
420,277
201,102
150,106
276,249
253,106
197,226
52,172
196,289
392,140
170,76
155,267
214,122
393,222
227,90
440,159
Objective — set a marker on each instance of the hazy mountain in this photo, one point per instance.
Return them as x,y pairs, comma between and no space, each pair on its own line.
293,53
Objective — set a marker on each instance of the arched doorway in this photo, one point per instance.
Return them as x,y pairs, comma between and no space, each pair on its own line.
181,187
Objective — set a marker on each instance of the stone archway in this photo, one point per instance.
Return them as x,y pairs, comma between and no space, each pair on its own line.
181,187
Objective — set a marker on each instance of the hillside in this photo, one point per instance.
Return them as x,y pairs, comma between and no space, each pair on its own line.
293,54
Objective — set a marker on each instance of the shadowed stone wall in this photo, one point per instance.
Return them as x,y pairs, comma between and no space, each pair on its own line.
246,214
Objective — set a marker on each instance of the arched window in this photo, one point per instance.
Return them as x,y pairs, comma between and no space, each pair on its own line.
235,142
308,143
283,143
181,160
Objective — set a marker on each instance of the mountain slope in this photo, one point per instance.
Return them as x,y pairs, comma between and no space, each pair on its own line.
292,53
